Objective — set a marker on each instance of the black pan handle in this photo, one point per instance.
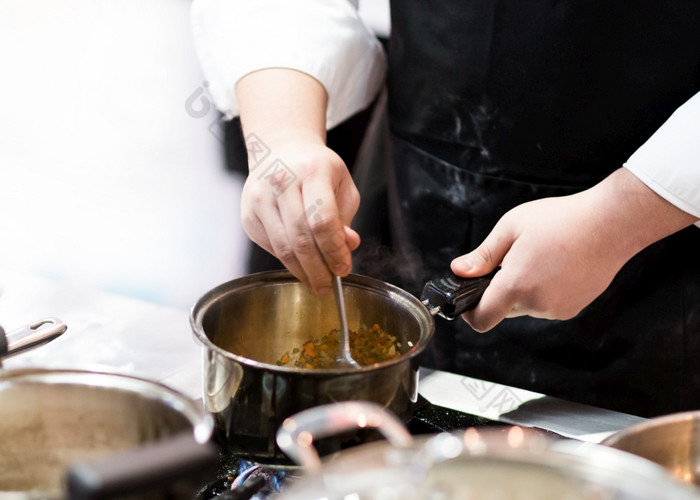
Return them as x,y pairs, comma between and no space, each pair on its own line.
152,467
451,295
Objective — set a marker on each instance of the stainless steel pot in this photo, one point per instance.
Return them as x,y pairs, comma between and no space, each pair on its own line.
52,419
247,324
493,463
672,441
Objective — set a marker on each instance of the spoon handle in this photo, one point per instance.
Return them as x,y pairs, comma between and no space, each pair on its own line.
340,303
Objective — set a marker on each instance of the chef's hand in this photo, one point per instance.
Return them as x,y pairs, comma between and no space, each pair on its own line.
298,202
305,224
558,254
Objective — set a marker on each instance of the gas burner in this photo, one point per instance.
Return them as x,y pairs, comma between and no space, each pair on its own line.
255,483
238,478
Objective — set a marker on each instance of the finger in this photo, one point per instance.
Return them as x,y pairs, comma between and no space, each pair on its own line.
348,201
323,219
301,241
275,244
255,230
496,304
487,256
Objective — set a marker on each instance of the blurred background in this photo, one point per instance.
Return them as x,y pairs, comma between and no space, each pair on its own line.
111,161
112,167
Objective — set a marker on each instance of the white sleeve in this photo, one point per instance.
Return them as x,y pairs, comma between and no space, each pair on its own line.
669,162
326,39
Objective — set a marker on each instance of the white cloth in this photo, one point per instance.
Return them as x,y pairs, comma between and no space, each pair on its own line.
669,162
234,38
326,39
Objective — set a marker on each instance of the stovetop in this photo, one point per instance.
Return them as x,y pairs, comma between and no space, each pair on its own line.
241,479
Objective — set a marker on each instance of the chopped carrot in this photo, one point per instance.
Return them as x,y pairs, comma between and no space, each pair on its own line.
367,347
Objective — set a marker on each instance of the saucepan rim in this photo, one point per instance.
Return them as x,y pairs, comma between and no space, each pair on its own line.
410,304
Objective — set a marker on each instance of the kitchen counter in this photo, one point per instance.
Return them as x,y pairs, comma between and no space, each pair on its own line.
105,332
116,333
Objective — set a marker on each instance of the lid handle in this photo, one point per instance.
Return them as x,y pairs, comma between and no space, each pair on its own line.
296,435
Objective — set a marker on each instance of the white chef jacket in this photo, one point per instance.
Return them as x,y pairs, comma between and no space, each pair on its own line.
328,40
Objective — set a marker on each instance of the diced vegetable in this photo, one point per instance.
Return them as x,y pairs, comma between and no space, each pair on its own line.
367,347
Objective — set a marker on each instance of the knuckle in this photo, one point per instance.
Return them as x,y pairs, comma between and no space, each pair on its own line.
339,264
253,191
248,220
354,198
284,253
335,244
321,224
303,244
342,269
484,252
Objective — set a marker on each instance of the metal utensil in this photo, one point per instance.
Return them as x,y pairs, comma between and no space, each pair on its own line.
344,357
29,336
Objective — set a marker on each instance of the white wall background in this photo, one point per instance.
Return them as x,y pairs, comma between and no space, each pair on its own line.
107,178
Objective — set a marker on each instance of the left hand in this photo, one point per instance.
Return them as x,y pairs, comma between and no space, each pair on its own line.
558,254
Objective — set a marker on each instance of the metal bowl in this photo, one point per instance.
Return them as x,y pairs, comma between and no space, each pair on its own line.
672,441
51,419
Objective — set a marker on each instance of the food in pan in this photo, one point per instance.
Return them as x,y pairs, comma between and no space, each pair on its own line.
367,346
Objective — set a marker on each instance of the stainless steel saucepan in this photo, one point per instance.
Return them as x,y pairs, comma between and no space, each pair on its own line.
247,324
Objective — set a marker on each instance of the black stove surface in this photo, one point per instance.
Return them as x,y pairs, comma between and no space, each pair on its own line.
432,419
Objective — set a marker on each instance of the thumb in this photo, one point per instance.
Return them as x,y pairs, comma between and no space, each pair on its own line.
486,257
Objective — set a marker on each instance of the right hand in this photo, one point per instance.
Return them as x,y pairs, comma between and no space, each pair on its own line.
304,218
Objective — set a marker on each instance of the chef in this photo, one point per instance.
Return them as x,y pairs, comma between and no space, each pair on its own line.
556,139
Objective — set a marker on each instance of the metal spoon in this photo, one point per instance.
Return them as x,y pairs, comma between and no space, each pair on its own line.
343,359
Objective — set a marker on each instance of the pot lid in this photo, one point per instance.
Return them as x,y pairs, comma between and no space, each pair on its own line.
509,462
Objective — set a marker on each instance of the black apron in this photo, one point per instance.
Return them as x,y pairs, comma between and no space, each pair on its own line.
496,103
